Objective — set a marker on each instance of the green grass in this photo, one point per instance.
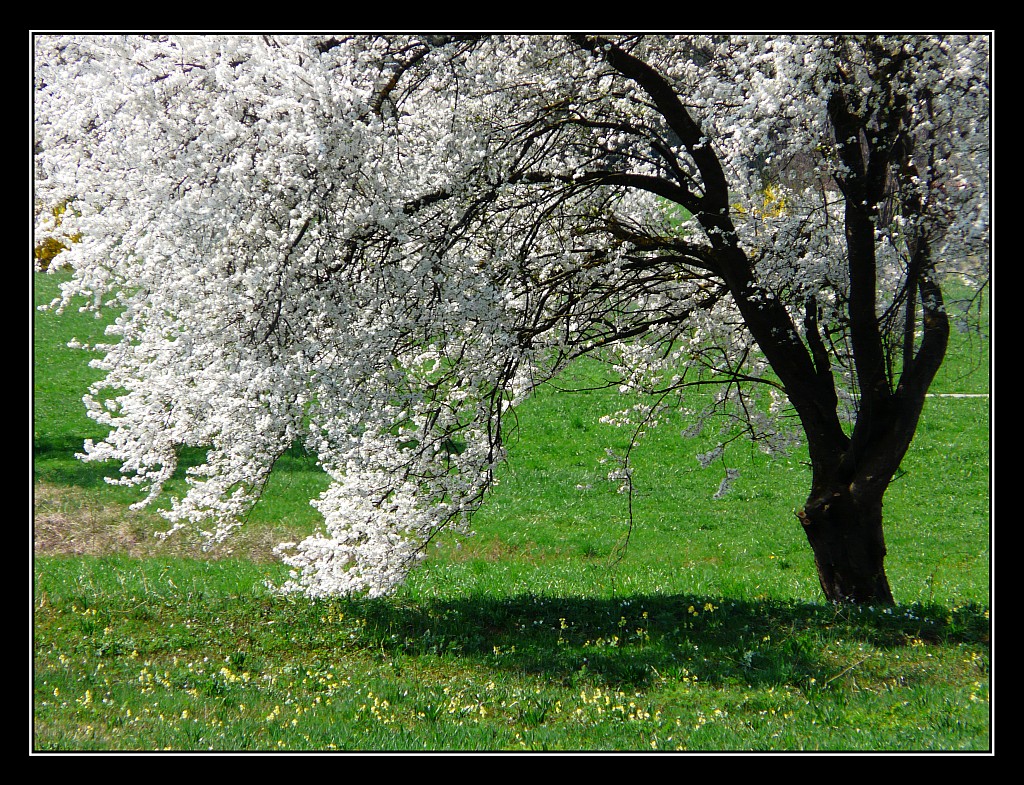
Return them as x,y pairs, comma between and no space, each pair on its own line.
545,631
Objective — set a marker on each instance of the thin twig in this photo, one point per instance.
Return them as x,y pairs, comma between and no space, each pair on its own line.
844,671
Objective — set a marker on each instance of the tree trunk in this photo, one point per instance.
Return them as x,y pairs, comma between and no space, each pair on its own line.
843,523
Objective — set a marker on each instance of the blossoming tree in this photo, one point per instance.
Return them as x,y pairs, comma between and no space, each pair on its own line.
377,246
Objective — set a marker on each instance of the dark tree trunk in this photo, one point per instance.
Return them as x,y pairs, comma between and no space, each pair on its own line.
843,524
893,364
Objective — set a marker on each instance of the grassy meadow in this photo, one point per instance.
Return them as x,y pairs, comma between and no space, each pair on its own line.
557,627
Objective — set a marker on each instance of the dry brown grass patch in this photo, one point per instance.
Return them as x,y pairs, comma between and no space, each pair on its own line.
71,522
495,550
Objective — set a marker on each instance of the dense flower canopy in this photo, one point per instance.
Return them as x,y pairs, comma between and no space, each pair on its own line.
376,246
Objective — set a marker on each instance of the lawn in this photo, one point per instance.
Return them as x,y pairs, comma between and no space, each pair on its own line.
563,624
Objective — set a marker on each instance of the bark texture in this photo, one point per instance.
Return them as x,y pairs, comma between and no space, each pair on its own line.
843,524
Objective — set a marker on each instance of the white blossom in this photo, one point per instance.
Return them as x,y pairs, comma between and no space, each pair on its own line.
377,246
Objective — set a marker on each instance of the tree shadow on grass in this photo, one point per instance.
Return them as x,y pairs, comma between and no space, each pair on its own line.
624,642
634,641
54,462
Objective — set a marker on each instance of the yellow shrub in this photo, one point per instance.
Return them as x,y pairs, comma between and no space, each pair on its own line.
47,249
773,203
